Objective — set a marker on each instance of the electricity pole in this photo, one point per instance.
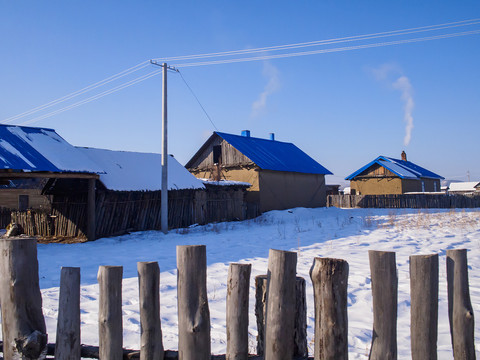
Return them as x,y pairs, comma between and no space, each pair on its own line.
164,197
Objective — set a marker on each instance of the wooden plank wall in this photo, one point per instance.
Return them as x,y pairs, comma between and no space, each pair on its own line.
414,201
122,212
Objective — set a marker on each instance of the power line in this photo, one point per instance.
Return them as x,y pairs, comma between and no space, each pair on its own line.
78,92
328,42
324,51
198,101
142,65
247,59
95,97
258,58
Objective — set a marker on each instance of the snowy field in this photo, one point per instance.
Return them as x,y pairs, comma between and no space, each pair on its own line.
325,232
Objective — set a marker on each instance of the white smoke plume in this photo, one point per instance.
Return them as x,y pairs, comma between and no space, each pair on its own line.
403,84
273,84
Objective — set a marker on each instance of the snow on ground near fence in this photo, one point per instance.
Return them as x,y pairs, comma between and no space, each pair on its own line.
326,232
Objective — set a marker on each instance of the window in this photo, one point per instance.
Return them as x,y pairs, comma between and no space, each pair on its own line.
217,154
423,186
22,202
435,186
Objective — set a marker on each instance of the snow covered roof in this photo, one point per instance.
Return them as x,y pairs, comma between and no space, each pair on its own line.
401,168
29,149
135,171
274,155
225,182
463,186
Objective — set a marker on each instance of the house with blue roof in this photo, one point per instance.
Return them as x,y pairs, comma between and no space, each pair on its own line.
282,176
385,175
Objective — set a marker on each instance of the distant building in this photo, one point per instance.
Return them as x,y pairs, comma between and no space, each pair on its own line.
24,194
386,175
282,175
470,187
332,189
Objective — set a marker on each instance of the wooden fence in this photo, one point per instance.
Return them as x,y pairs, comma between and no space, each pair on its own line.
281,335
118,212
412,201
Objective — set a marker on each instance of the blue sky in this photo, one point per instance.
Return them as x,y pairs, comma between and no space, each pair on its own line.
342,108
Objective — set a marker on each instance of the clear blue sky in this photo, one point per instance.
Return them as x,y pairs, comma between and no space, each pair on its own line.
343,108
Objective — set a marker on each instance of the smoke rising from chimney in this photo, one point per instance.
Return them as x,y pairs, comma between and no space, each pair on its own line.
403,84
273,84
387,73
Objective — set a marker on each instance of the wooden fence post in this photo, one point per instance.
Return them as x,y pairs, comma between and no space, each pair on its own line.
330,281
68,342
260,311
424,306
460,312
238,284
23,324
193,312
110,312
300,346
384,297
280,316
151,345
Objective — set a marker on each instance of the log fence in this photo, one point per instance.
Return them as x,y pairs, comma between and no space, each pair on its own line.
405,201
280,302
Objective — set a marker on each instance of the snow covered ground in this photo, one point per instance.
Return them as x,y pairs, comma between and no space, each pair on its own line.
325,232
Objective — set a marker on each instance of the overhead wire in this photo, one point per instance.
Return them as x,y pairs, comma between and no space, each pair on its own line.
237,60
245,52
323,51
328,41
79,92
196,98
246,59
95,97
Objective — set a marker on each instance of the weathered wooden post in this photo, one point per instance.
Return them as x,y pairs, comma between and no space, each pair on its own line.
280,316
193,311
260,311
23,324
300,346
238,285
68,323
424,306
384,297
460,312
151,345
330,281
110,312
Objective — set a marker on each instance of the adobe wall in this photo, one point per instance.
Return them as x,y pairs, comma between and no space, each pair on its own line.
284,190
377,186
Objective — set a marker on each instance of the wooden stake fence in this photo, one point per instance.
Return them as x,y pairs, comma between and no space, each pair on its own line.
25,335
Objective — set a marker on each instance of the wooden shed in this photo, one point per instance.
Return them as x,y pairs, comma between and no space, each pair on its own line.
282,175
386,175
40,153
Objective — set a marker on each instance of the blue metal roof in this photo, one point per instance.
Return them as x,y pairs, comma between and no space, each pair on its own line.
40,149
274,155
401,168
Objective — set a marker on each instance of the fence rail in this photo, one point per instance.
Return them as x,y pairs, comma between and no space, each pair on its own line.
280,305
412,201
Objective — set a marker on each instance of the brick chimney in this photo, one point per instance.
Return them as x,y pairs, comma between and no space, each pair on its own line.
404,156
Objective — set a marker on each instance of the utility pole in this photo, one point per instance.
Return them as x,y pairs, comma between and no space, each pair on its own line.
164,198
